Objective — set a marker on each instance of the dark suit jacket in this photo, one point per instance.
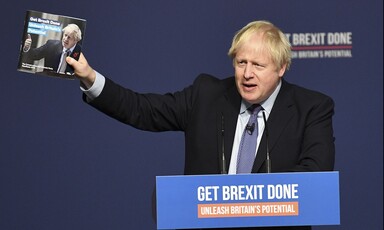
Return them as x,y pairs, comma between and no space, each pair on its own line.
51,52
300,123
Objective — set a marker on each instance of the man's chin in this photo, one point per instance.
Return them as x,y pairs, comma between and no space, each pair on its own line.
250,98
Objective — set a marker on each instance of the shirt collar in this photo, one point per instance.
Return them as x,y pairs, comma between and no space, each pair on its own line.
71,49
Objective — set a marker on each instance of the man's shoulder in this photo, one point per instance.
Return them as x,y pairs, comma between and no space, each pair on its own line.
302,94
77,47
53,42
208,86
212,81
300,90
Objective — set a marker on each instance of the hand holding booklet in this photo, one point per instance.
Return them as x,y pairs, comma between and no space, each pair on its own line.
46,42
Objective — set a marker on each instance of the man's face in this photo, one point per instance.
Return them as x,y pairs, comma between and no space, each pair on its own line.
68,40
256,74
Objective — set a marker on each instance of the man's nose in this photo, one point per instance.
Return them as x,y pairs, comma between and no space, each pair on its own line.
248,71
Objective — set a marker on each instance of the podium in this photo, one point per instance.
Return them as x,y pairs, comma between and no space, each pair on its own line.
248,200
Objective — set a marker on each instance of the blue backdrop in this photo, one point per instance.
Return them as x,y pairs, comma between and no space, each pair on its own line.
64,165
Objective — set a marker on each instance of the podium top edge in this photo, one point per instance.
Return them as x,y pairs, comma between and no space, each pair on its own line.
255,174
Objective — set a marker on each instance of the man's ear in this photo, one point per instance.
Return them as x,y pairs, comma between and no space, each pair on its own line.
282,70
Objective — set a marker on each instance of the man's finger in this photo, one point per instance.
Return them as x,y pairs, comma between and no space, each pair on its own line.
71,61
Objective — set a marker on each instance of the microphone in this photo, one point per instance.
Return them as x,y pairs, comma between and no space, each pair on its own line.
267,161
222,161
250,128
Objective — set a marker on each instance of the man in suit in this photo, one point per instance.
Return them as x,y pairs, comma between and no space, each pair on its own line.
299,120
54,52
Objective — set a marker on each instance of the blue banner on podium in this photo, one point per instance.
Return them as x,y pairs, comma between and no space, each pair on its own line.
248,200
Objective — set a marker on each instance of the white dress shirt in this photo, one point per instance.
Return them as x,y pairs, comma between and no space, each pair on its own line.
242,121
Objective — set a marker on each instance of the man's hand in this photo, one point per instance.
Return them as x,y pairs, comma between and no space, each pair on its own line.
27,43
83,70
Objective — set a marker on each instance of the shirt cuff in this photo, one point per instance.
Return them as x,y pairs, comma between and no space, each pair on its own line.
95,90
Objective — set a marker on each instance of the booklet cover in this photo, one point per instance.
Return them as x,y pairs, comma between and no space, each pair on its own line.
47,40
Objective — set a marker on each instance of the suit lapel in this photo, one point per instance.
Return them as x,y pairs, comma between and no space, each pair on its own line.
76,52
282,112
228,111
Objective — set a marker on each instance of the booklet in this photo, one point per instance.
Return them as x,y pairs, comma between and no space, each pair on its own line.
47,40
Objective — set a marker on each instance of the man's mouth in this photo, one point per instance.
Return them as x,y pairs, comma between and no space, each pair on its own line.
248,86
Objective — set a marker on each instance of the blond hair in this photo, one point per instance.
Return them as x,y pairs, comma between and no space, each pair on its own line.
276,42
73,29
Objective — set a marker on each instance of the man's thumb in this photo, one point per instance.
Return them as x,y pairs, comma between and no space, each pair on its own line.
71,61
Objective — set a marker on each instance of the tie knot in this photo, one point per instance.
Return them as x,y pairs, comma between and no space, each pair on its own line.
67,52
254,109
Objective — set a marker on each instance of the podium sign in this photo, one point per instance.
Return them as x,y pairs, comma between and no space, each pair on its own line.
248,200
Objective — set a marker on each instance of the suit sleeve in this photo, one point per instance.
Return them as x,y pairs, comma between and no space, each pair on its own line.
151,112
40,52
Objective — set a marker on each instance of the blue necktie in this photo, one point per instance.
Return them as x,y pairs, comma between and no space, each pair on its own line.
247,148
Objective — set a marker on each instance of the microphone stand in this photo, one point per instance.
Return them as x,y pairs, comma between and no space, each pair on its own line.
268,160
